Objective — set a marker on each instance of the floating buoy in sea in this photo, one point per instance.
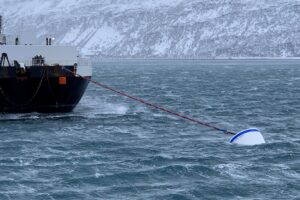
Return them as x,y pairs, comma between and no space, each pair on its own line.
248,137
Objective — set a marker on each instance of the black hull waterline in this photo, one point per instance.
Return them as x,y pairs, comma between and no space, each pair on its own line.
40,89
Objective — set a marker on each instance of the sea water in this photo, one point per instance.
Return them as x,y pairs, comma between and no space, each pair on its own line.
111,147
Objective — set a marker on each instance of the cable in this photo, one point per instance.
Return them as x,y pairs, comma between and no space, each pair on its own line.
7,99
150,104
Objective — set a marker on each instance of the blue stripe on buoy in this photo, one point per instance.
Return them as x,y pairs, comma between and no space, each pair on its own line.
242,133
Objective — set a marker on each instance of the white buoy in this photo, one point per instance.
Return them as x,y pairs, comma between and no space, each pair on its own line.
248,137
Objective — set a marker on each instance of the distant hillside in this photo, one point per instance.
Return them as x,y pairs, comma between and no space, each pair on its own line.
169,28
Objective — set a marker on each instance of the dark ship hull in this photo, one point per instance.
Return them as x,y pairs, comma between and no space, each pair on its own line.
40,89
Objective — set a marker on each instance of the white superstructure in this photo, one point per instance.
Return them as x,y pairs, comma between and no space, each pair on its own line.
63,55
24,54
53,55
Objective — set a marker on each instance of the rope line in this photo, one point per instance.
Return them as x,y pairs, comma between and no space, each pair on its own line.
7,99
150,104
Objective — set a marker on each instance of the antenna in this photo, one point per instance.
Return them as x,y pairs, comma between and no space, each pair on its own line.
0,24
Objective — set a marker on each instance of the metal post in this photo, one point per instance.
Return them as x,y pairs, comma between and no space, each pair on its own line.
0,24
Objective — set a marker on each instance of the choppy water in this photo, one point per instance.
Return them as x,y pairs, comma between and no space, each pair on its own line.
113,148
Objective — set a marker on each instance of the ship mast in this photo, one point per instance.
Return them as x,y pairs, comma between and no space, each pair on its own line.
0,24
2,37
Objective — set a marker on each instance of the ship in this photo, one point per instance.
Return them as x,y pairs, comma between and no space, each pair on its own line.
44,78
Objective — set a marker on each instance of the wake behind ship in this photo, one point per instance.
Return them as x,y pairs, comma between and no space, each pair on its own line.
40,78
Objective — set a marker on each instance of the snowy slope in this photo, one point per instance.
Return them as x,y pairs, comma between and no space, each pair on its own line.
156,28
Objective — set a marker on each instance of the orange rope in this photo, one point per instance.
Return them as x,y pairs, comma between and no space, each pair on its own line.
150,104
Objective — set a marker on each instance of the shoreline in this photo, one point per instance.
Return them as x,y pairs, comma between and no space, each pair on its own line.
204,59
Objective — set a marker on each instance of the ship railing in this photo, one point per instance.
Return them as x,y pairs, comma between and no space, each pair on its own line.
84,62
79,62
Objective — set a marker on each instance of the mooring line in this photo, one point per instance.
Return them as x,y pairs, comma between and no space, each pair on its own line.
150,104
11,102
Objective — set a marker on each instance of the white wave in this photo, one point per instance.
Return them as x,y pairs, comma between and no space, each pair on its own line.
233,170
109,108
19,116
96,106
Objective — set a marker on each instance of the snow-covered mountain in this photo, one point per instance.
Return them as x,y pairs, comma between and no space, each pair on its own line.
162,28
